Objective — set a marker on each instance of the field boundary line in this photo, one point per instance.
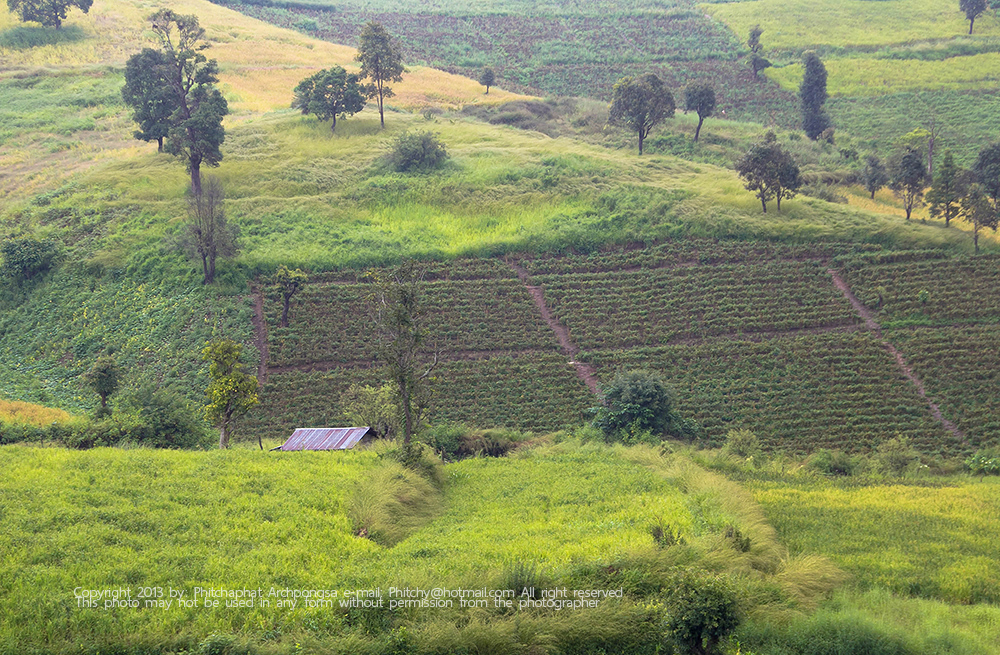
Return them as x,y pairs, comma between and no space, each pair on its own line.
901,363
445,356
584,371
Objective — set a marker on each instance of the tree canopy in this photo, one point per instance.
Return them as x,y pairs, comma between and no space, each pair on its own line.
699,98
640,104
908,178
757,61
946,192
50,13
874,176
972,10
196,133
381,61
207,233
149,95
769,171
812,95
328,94
232,392
487,78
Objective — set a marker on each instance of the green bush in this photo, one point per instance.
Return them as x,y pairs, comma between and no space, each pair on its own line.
983,463
896,456
636,402
833,462
743,443
25,258
160,418
414,151
703,611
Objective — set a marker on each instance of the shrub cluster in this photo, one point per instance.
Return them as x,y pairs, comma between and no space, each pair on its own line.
415,151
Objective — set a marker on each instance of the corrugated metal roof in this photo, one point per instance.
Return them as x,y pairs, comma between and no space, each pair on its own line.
324,438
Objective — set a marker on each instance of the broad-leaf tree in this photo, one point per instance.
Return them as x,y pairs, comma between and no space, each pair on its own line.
196,133
699,98
231,391
399,322
972,10
908,177
289,283
812,95
769,171
50,13
987,170
381,62
487,79
104,378
328,94
946,192
874,175
149,95
977,209
640,104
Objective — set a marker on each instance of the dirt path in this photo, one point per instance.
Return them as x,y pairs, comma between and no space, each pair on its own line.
585,372
873,325
260,332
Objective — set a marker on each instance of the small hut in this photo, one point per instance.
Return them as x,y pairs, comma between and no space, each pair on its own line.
326,438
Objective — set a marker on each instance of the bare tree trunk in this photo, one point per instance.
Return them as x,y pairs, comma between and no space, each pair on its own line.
223,436
698,129
284,312
763,204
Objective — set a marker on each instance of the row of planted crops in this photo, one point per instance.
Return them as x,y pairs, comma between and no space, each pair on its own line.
749,335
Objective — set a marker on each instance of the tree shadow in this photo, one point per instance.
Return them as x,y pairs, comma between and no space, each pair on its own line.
23,37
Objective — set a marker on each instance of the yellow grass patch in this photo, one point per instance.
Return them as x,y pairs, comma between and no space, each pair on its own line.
15,411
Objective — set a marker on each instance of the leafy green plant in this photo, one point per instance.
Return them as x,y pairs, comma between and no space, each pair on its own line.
703,611
416,151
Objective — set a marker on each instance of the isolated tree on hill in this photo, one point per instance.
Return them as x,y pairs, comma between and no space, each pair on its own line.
699,98
874,176
972,9
769,171
104,378
640,104
328,94
196,131
289,283
149,95
976,208
812,95
207,234
908,178
757,61
50,13
487,79
987,170
946,192
231,391
381,62
399,321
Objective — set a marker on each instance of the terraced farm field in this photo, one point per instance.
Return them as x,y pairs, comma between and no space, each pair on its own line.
798,394
959,367
749,335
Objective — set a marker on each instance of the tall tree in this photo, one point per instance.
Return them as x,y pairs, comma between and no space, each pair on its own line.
231,391
149,95
50,13
399,321
207,234
946,192
757,61
289,283
699,98
487,79
908,178
979,211
769,171
972,9
196,131
328,94
381,62
640,104
987,170
812,95
874,176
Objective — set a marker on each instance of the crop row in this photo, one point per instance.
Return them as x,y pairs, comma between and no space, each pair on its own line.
797,394
331,322
455,269
960,368
931,291
689,251
655,307
538,392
